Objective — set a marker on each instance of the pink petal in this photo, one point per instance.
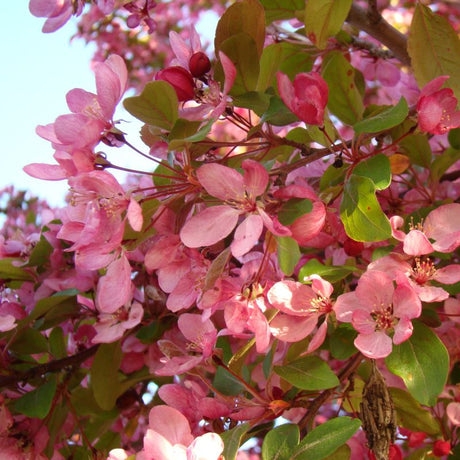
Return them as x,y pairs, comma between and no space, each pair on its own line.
377,345
45,171
406,303
403,330
345,305
221,181
374,288
180,49
292,298
292,328
318,338
320,286
209,226
286,90
108,88
452,309
363,322
308,226
448,275
247,235
453,412
209,446
78,100
255,178
171,424
397,222
417,244
134,215
443,225
158,447
114,288
431,293
229,72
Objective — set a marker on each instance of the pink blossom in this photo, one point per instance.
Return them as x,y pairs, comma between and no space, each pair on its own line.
180,79
442,226
436,108
182,49
240,192
306,97
420,272
376,309
92,114
169,437
57,12
300,307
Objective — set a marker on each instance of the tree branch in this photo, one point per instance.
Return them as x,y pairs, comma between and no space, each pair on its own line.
53,366
376,26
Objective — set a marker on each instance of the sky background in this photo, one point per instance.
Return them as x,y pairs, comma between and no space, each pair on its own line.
37,71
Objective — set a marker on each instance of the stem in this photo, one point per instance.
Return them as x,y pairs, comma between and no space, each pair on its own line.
375,25
53,366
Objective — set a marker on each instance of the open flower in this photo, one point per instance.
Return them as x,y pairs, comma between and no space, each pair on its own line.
436,108
377,310
239,193
307,97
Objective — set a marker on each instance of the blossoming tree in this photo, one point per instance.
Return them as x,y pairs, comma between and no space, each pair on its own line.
283,281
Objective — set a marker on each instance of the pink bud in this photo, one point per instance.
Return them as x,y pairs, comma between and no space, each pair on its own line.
199,64
180,79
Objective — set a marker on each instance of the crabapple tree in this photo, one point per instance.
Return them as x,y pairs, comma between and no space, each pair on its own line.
282,280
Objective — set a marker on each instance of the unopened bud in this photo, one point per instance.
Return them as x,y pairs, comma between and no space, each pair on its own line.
199,64
180,79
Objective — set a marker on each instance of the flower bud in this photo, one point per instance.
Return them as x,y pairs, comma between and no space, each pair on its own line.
199,64
441,448
180,79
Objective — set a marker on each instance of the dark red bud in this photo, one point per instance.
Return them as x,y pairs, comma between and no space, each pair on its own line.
441,448
353,248
180,79
199,64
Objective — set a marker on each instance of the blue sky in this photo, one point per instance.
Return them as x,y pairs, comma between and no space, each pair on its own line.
38,69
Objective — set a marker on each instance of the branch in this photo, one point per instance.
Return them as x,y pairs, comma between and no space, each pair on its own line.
376,26
53,366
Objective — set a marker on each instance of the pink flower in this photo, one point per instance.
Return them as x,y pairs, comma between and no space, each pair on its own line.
436,108
307,97
92,114
442,226
57,12
376,309
169,437
239,192
300,308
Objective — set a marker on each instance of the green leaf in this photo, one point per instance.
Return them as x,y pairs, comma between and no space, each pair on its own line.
279,442
377,169
37,403
443,162
422,362
58,347
360,211
29,342
287,58
226,383
254,100
288,254
345,100
294,208
341,342
434,48
308,373
9,272
247,16
104,370
282,9
386,118
157,105
40,253
342,453
324,19
412,415
454,138
277,113
333,176
242,51
326,438
331,273
233,439
417,148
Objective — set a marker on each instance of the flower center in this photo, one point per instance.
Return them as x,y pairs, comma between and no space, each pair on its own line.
384,319
423,271
321,305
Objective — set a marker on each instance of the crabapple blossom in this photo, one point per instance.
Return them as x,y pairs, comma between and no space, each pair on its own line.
306,96
376,309
436,108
